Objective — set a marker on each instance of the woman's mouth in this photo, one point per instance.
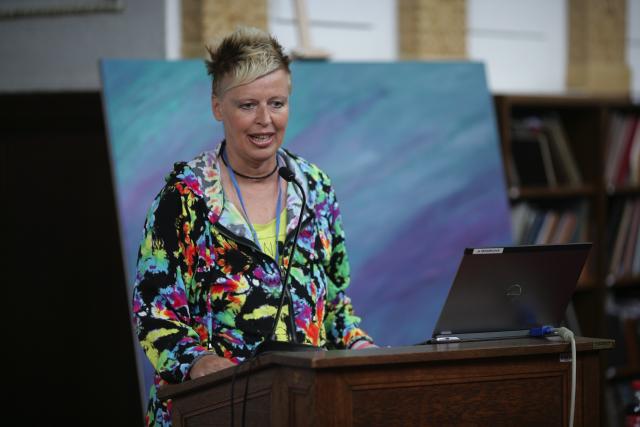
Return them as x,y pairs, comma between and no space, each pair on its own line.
261,139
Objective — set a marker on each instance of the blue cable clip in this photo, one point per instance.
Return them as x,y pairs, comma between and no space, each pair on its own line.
541,331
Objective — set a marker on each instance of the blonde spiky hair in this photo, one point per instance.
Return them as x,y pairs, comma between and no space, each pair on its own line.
244,55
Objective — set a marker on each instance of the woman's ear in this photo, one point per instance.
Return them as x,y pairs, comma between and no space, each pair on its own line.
216,107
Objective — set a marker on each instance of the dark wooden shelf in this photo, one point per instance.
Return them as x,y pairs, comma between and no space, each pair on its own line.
519,193
624,282
627,190
563,100
616,373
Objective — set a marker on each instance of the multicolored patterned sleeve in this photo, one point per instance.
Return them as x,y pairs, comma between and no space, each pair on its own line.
166,263
341,323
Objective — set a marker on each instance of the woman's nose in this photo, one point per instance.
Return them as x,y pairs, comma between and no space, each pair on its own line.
263,117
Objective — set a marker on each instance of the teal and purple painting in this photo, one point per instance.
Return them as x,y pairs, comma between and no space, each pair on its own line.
411,147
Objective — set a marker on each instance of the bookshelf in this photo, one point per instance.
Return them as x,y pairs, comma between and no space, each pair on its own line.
572,171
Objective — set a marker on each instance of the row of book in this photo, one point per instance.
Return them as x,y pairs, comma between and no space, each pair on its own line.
622,166
535,225
623,244
622,316
541,154
618,395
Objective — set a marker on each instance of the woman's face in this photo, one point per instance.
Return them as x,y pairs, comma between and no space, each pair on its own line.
255,117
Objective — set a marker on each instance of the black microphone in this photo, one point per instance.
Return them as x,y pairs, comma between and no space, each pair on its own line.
270,343
288,175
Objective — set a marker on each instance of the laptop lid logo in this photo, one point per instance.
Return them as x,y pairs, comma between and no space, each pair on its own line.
488,251
514,291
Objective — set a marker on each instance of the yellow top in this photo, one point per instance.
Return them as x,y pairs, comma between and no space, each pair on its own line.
267,234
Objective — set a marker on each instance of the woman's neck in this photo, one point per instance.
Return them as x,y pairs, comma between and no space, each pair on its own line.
260,196
248,168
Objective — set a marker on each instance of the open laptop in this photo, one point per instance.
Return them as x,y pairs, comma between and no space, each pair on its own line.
504,292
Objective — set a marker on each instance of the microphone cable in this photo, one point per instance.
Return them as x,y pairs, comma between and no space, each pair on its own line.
288,176
250,361
567,336
233,385
246,389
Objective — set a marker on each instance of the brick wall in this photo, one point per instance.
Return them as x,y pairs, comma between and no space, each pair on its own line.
432,29
204,21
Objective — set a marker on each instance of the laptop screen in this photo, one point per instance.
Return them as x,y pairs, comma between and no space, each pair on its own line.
510,289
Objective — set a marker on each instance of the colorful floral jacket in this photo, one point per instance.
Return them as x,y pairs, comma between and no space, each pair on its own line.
203,286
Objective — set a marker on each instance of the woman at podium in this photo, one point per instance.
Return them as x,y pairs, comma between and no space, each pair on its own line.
219,236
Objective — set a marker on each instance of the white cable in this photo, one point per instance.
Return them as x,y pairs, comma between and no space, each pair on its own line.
567,335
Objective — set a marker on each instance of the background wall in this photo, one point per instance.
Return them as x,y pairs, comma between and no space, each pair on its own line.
53,53
522,42
351,30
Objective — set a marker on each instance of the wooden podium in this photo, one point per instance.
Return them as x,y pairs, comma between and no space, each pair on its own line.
508,382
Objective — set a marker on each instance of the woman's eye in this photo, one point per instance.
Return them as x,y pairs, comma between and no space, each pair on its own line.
277,104
247,106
